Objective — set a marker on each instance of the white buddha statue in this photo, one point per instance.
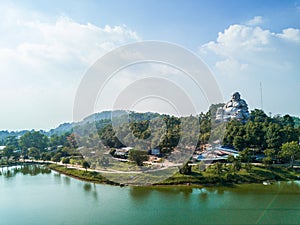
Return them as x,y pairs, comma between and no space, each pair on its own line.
236,108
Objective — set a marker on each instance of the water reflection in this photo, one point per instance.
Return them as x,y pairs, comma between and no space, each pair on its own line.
290,187
67,180
26,169
87,187
142,193
95,193
203,196
220,191
9,174
91,189
187,193
139,193
283,187
57,177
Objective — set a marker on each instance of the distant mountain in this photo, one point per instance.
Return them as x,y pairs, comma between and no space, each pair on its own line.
61,129
105,115
102,116
4,133
67,127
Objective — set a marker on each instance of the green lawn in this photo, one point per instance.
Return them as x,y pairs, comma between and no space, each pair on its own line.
81,174
257,174
226,176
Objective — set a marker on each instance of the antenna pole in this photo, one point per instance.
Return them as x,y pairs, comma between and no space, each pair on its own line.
261,97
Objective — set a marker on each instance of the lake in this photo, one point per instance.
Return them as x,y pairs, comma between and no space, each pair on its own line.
36,195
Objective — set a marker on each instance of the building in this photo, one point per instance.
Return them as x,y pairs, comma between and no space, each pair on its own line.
155,151
216,154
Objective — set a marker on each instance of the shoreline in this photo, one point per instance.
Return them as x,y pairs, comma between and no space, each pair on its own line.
94,177
193,180
258,175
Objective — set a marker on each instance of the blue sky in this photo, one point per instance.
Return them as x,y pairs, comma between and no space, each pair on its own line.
47,46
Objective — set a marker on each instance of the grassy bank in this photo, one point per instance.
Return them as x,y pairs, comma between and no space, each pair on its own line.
209,177
257,174
82,175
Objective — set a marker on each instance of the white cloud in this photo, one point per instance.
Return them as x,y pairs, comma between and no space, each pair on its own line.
290,34
66,41
231,66
42,61
239,38
242,56
253,46
255,21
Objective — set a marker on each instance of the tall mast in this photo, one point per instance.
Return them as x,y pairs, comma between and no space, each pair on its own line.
261,97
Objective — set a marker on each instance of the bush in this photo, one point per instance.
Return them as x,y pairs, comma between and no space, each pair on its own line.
186,169
138,156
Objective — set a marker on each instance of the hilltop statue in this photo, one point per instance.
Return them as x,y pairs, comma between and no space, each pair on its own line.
236,108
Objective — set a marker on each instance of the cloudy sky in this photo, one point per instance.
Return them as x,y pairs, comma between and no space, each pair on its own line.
46,47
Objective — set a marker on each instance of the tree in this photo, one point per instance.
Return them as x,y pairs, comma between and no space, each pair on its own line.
248,167
270,154
291,151
230,159
258,115
12,141
234,128
274,136
218,168
33,139
287,120
108,137
57,157
8,151
245,155
237,165
34,153
141,129
85,165
138,156
72,140
61,140
186,169
289,134
65,161
255,134
239,143
46,156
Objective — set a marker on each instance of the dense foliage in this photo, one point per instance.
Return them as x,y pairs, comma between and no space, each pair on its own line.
271,136
261,132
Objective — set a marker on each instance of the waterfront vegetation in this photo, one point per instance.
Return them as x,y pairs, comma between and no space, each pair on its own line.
222,174
272,139
90,176
210,177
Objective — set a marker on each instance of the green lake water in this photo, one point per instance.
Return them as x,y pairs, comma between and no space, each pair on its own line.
37,195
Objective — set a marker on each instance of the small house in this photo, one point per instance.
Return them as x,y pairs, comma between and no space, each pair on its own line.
155,151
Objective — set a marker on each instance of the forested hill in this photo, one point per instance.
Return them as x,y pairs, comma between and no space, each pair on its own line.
4,134
261,134
104,118
67,127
